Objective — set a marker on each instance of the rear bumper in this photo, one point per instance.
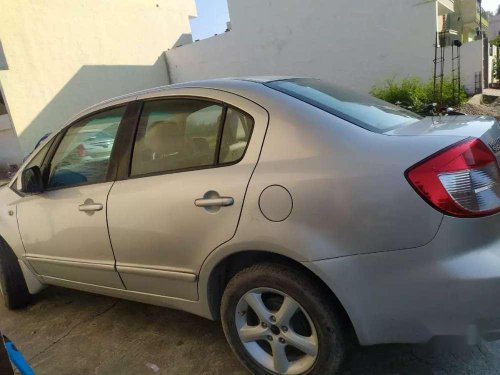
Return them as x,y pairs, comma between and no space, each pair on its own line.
449,287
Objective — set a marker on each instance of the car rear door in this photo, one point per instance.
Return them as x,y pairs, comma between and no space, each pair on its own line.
181,196
64,229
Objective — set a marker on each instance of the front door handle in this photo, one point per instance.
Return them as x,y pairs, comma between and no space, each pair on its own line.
214,202
90,206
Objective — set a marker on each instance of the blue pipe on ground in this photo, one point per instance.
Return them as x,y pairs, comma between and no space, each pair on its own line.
17,358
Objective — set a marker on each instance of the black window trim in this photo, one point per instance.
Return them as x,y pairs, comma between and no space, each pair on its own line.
120,161
59,137
225,106
50,141
220,132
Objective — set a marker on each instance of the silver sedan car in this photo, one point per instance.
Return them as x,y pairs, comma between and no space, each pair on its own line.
297,212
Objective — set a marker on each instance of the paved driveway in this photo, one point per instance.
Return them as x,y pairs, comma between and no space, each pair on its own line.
70,332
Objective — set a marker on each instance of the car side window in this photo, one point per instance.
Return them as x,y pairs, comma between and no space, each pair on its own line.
36,161
181,134
40,156
176,134
235,137
83,155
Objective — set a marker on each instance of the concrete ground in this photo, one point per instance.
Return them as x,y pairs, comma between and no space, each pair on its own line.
71,332
491,92
487,104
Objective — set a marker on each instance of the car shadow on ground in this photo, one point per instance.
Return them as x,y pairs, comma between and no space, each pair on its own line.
69,332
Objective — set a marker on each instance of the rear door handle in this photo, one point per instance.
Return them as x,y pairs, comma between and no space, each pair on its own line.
214,202
90,206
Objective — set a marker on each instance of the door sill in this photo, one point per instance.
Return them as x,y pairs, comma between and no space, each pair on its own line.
193,307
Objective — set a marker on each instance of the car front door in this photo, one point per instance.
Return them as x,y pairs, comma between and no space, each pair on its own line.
183,193
64,228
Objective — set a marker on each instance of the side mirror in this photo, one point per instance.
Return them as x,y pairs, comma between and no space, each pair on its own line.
31,180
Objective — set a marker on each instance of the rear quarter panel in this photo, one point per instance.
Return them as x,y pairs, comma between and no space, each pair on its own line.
350,195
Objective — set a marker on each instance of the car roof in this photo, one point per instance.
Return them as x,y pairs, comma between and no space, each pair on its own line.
234,85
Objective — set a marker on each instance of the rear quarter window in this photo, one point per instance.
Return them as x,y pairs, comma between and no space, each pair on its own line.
363,110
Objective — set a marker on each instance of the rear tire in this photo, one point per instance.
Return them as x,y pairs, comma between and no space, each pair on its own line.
295,312
12,284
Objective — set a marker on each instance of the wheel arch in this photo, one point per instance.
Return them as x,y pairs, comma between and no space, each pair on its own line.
32,282
230,265
5,246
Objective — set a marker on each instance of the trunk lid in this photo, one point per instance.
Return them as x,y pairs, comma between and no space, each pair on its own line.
483,127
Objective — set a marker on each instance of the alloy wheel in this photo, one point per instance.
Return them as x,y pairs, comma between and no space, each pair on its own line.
276,331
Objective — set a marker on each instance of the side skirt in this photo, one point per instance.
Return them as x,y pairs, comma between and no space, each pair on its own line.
193,307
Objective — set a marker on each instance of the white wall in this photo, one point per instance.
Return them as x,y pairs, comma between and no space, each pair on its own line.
349,42
9,145
470,63
66,55
491,61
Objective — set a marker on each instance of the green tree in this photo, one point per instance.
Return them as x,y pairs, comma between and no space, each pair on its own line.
496,41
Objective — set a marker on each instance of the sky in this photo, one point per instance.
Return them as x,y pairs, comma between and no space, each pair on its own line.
213,15
491,5
211,20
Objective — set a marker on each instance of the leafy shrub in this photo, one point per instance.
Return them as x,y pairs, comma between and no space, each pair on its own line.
410,92
496,41
414,93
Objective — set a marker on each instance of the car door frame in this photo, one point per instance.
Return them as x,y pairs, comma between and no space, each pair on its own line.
124,134
124,160
130,115
129,119
258,114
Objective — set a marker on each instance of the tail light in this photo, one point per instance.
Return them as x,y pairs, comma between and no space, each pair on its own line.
462,180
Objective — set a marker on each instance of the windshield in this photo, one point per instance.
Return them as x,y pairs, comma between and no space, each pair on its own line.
362,110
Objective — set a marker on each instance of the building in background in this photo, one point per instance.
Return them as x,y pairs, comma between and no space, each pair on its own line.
342,41
494,29
58,57
469,24
10,154
467,21
494,53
